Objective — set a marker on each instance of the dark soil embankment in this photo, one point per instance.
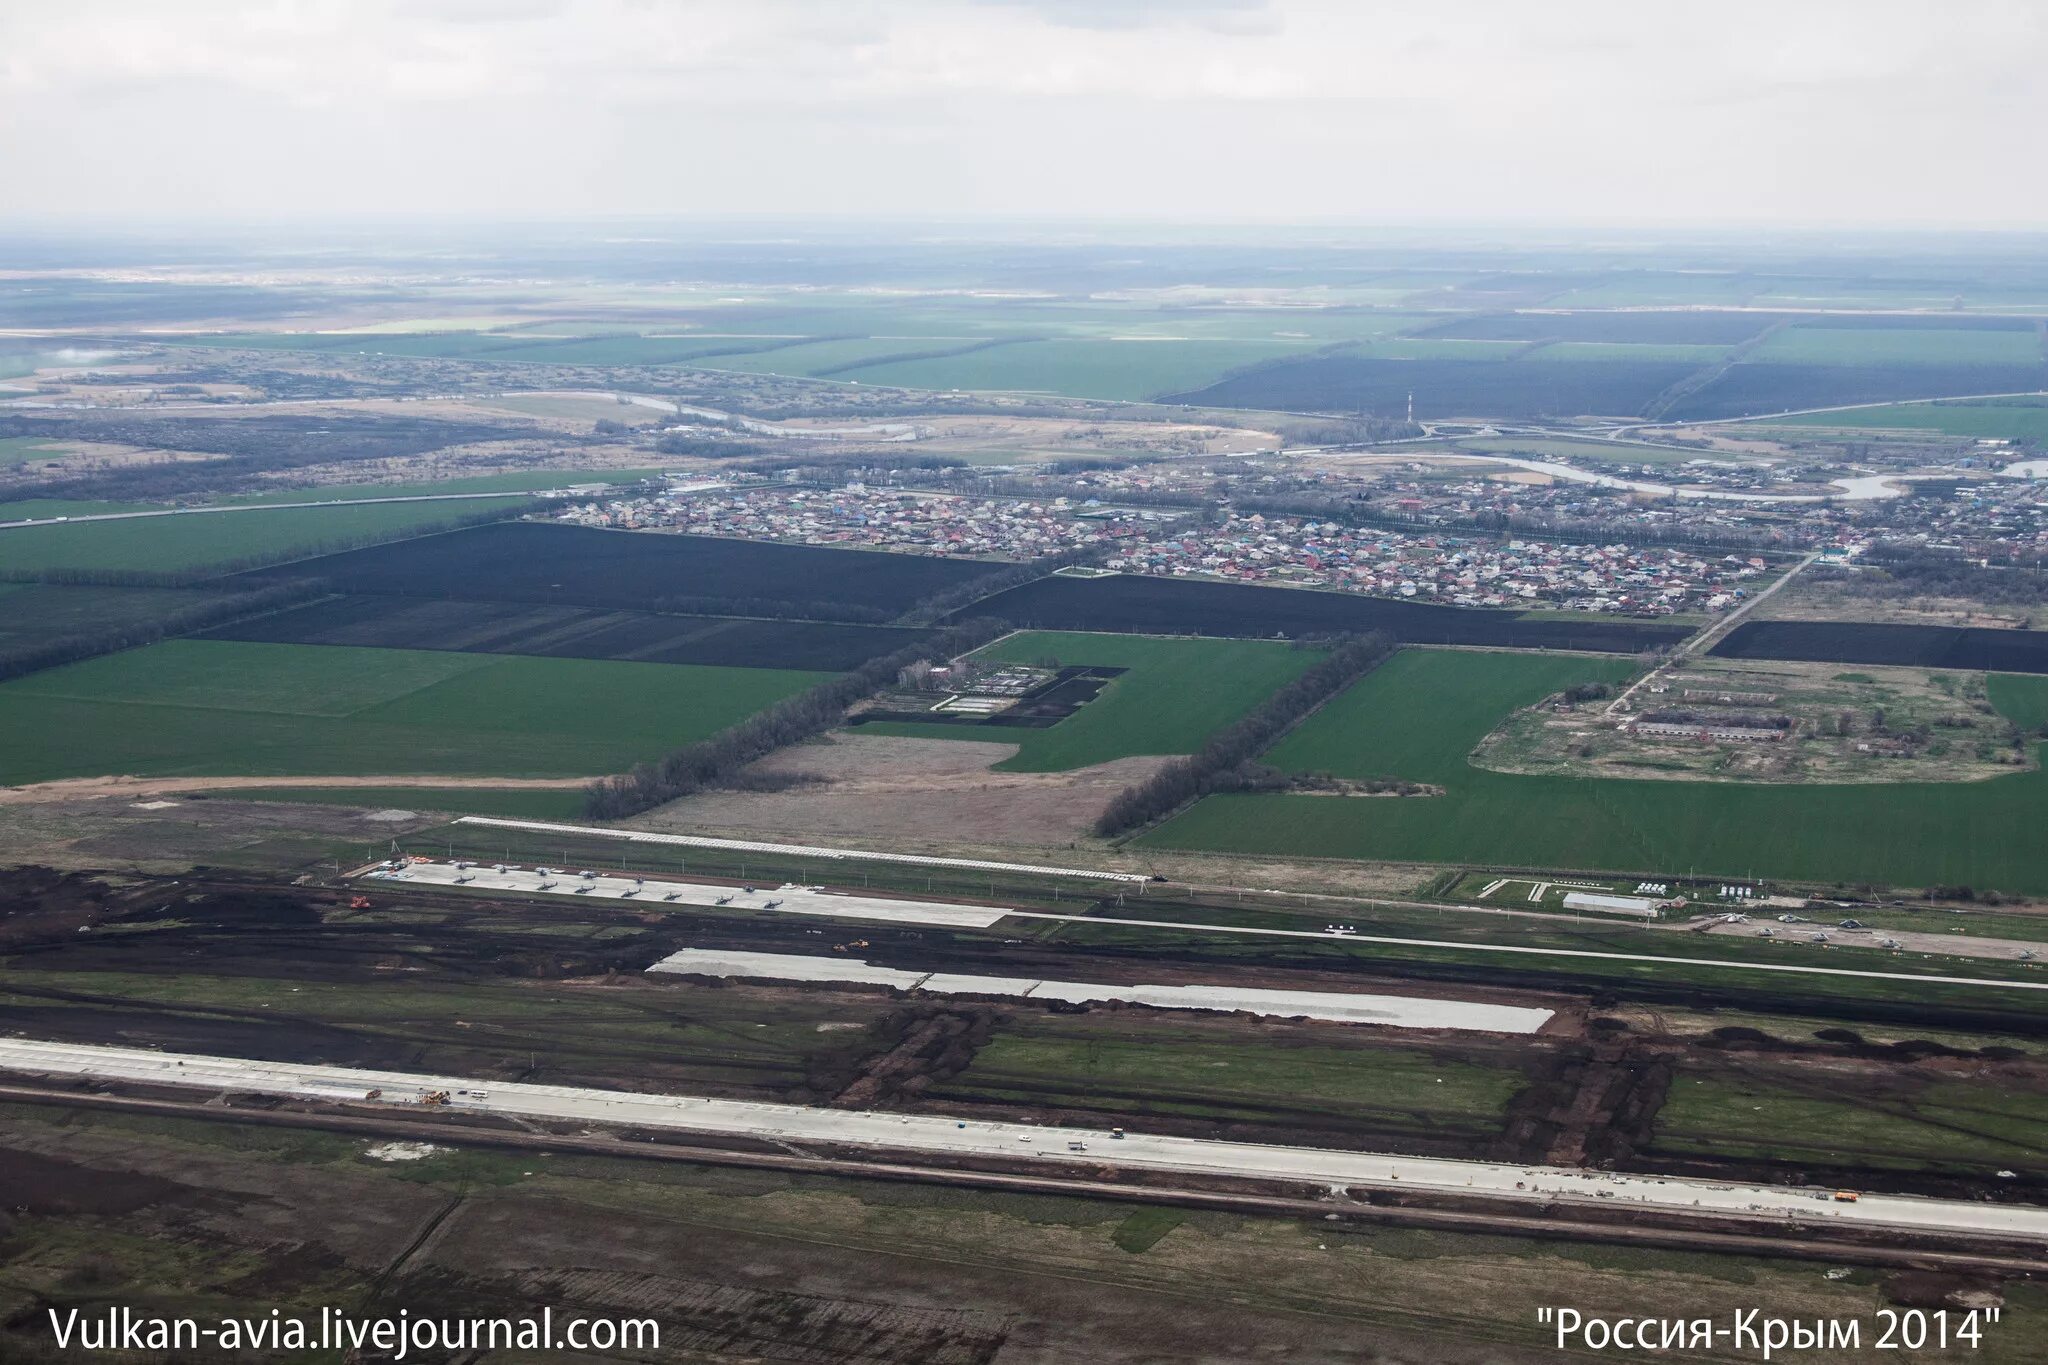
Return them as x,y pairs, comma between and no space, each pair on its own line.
924,1044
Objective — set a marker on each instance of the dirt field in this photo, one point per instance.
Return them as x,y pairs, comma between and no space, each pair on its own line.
147,836
909,794
1813,598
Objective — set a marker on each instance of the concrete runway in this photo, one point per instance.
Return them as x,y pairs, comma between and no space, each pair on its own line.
1344,1007
663,893
1017,1141
612,886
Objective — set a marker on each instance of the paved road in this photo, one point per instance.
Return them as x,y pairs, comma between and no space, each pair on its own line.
1714,630
1016,1141
1768,417
615,887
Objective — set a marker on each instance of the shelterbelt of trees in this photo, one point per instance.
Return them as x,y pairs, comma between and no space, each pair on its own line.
1228,761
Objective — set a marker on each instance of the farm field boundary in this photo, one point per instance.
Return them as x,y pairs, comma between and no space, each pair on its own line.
1421,714
482,627
204,708
646,571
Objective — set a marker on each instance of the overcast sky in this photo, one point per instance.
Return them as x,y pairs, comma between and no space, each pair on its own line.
1570,111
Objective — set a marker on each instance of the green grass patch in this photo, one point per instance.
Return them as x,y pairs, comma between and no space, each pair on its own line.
2021,700
1176,693
1899,346
1623,350
21,450
219,708
1143,1229
1419,716
1398,1090
1114,369
201,539
519,803
2012,420
1908,1123
32,612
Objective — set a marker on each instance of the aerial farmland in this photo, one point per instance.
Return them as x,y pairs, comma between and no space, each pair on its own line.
1435,770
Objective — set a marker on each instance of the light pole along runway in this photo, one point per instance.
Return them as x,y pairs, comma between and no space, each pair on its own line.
801,901
1017,1141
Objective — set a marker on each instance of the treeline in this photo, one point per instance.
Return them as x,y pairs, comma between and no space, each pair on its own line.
931,610
708,447
1227,762
828,469
1699,379
1895,571
34,656
717,760
902,357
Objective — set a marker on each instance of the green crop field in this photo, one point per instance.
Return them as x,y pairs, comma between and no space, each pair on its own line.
1167,1069
19,450
202,539
1778,1114
215,708
1176,694
839,358
2021,700
1130,370
521,803
1902,346
1623,350
36,612
2014,421
1422,713
1407,719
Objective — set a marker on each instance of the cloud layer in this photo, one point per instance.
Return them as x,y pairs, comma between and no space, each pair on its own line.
1870,111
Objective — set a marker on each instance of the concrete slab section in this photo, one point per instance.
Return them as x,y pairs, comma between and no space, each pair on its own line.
1075,1147
1393,1011
665,893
